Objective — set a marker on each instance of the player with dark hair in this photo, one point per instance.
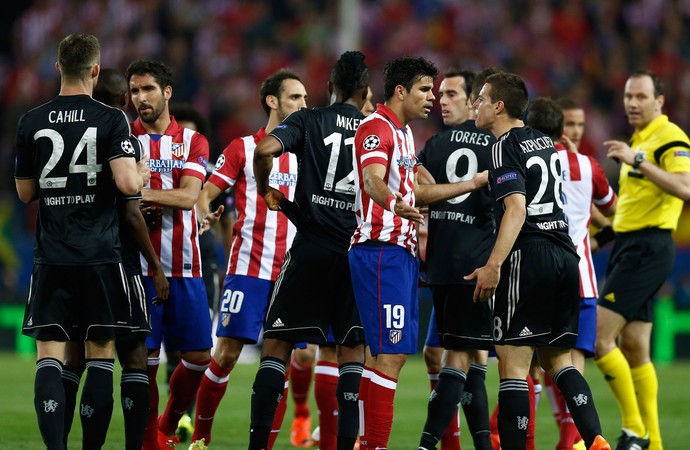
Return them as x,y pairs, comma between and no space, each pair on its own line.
382,252
112,90
178,159
654,182
463,327
69,151
535,293
584,186
258,248
322,139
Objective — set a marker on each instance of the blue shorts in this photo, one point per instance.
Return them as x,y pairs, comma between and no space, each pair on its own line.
587,328
384,280
183,322
243,307
432,339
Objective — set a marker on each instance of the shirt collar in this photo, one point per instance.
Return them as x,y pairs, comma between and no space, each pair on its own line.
388,114
651,128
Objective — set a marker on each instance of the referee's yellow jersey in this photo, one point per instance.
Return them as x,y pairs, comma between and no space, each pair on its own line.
641,203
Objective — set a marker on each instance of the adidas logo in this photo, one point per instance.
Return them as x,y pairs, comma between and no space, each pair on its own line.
278,323
525,332
30,322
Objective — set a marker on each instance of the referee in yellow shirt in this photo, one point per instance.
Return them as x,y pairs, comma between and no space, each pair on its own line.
654,183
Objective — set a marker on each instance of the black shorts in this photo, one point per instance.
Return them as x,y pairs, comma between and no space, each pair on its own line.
640,263
138,311
537,300
461,323
312,295
77,303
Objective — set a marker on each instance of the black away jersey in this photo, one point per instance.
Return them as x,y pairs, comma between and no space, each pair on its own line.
66,145
323,140
461,229
525,161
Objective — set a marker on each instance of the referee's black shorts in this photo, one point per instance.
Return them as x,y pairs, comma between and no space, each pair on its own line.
640,263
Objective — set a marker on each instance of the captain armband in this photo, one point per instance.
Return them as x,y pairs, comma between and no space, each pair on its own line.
605,235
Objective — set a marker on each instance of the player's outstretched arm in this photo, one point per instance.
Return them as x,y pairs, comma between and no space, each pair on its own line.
136,225
183,197
377,189
488,276
432,193
268,148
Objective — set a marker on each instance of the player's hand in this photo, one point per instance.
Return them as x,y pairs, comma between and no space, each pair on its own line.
406,211
152,214
143,169
619,151
272,198
162,286
481,179
209,220
487,280
568,144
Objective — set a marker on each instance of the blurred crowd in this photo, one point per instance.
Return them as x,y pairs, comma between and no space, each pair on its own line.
221,49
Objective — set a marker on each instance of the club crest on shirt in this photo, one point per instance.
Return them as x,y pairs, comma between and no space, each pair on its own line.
395,336
177,149
407,163
371,142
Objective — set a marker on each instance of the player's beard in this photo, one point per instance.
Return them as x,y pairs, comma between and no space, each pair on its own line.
152,115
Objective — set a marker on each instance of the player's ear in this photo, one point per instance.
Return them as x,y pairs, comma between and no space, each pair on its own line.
95,70
272,101
57,66
500,107
167,92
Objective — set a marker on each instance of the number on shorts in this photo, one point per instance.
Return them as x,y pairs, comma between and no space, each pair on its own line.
498,332
395,316
232,301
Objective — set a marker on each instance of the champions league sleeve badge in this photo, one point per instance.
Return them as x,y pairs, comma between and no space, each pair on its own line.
371,142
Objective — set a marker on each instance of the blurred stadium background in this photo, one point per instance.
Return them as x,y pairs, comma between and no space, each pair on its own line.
220,50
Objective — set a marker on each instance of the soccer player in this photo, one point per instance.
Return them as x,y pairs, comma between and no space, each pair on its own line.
315,276
654,182
535,293
466,223
177,160
69,150
382,254
258,247
112,89
584,184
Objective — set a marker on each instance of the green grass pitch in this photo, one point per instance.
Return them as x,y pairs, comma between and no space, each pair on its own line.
19,431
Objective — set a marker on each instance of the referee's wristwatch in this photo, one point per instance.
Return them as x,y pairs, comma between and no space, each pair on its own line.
639,158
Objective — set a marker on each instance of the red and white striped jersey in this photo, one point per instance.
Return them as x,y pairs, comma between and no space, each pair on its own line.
381,139
584,183
260,236
177,153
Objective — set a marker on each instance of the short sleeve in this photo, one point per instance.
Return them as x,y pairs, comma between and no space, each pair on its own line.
197,161
508,172
229,165
373,143
290,132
